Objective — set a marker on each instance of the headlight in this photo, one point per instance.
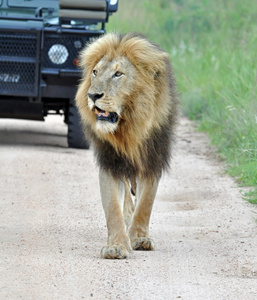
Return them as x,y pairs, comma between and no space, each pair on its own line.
58,54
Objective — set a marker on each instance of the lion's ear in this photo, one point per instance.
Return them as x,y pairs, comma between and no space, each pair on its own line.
156,75
158,64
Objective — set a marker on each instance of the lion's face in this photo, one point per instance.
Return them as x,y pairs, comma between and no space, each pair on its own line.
111,81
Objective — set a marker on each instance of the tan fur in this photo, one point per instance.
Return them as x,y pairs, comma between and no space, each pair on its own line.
144,98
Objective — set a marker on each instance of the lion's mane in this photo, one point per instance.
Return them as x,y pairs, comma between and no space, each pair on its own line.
141,145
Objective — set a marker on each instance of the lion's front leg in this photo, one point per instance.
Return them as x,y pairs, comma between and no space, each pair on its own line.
118,245
139,229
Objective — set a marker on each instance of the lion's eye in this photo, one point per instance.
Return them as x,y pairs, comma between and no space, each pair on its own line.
94,73
117,74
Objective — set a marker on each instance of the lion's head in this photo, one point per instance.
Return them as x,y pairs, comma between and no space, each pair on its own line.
126,91
111,82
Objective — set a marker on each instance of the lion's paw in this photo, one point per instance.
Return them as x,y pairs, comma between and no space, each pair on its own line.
114,252
143,243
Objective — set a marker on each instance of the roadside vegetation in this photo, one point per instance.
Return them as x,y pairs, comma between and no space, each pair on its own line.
213,49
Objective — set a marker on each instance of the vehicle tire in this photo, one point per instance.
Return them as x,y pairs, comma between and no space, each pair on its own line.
76,138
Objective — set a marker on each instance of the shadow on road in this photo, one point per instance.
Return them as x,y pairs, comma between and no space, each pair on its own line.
52,132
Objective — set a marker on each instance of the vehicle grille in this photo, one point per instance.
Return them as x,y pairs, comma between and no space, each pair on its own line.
17,44
73,45
19,63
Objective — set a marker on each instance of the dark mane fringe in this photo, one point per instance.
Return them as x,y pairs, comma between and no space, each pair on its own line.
155,154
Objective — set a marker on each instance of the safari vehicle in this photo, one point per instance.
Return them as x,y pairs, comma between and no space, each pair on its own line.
39,45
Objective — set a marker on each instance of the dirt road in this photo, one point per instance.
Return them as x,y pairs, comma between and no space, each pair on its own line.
52,225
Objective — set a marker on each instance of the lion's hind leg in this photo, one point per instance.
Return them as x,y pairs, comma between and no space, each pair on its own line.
128,208
139,229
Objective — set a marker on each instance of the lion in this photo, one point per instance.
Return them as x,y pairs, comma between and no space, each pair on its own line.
128,105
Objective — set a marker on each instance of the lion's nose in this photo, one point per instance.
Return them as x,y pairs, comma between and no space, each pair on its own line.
95,97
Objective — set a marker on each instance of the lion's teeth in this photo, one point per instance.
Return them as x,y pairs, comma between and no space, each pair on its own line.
101,113
104,114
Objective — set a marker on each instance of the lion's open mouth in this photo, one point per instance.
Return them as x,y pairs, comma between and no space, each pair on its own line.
103,115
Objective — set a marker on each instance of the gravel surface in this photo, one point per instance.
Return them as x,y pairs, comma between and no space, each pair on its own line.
52,224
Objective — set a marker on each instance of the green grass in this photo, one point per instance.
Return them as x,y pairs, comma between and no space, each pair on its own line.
213,49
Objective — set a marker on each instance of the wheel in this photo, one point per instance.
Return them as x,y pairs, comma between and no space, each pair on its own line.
76,138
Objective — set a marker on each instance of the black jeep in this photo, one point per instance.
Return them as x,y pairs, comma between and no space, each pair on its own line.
39,45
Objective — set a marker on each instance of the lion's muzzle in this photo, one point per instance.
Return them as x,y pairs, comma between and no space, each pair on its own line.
101,115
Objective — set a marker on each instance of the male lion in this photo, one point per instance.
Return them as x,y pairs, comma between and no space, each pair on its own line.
128,105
